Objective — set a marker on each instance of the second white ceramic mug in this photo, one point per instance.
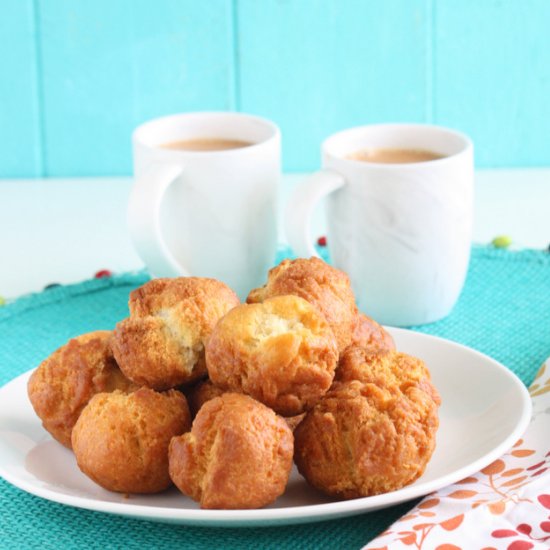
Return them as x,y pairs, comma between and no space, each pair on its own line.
402,232
206,213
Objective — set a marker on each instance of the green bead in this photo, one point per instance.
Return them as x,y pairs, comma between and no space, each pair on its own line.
2,301
502,241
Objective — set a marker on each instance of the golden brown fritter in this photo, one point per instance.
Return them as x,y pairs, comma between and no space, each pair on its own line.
281,352
385,369
362,439
161,344
322,285
237,455
63,383
121,440
366,332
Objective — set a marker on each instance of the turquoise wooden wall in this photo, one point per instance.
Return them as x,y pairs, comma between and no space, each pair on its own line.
76,76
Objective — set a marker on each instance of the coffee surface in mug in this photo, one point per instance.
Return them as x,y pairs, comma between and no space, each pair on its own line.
206,144
394,156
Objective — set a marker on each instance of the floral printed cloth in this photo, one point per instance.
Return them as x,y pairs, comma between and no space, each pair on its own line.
506,505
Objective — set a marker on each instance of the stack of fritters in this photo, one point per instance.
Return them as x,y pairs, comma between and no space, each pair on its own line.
364,415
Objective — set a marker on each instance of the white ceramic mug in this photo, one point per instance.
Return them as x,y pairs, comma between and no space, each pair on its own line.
402,232
206,213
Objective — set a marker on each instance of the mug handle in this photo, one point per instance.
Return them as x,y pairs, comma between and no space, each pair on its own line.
301,205
144,207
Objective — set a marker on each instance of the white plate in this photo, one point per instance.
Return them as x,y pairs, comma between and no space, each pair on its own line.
485,409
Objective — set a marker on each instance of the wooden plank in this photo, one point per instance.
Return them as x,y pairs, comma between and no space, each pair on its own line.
109,66
316,67
492,77
19,113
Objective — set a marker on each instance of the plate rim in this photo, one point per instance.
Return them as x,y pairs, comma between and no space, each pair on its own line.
308,513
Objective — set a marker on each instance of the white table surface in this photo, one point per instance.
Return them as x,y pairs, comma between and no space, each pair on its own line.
65,230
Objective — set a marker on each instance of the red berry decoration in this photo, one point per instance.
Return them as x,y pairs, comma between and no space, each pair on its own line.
322,241
103,273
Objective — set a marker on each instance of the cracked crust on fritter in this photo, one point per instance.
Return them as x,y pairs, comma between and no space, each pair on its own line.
323,286
238,454
374,431
63,383
281,352
386,369
161,344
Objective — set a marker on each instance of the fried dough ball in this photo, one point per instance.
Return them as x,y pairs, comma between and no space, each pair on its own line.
281,352
237,455
161,343
121,440
366,332
389,369
362,439
63,383
322,285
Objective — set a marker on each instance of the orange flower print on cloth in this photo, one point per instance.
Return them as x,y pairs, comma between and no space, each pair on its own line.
504,506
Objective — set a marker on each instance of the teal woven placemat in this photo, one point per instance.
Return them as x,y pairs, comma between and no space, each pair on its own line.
504,311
